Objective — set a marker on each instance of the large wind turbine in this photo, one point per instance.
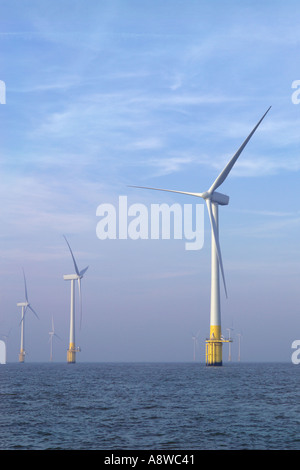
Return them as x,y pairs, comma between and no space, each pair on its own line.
25,305
213,199
52,333
71,353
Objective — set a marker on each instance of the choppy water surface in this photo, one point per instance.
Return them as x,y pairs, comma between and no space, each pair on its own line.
149,406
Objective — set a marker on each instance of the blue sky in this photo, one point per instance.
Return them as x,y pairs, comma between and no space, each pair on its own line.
105,94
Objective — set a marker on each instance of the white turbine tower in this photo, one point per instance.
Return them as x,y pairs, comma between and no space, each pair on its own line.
24,305
71,353
52,333
239,351
213,199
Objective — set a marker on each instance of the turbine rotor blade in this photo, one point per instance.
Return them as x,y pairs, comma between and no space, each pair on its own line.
26,295
223,175
75,265
169,190
29,306
216,239
83,271
80,300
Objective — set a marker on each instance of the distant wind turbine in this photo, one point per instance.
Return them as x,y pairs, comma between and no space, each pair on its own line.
195,343
229,340
71,353
52,333
213,199
25,305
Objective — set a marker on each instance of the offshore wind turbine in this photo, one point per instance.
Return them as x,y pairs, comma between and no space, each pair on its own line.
213,199
230,341
71,353
195,343
52,333
24,305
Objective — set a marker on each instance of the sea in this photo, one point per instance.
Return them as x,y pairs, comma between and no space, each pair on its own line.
172,408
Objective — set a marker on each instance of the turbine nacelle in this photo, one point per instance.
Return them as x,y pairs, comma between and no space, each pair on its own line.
214,196
219,198
71,277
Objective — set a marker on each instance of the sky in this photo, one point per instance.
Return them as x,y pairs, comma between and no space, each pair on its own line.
102,95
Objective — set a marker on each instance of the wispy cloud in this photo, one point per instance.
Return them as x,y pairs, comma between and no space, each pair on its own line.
266,213
61,83
166,166
151,143
263,166
35,205
271,225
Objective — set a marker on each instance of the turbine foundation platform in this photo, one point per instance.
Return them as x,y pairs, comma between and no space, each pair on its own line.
213,352
214,347
22,356
71,354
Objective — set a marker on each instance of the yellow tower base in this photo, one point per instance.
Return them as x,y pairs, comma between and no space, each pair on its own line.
71,353
214,346
22,356
213,352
